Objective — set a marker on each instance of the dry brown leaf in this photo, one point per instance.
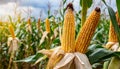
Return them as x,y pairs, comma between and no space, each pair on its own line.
43,37
13,44
74,61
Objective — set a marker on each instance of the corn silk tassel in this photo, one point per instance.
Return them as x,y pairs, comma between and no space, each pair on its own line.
87,31
113,45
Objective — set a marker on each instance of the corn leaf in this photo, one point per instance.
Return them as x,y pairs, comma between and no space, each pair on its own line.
87,2
98,54
118,6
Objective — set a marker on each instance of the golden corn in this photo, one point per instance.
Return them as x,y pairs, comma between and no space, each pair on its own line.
11,29
87,31
68,34
29,26
47,25
112,33
29,21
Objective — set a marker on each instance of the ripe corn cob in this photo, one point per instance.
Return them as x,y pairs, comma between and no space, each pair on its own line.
11,29
29,26
47,25
112,33
68,38
87,31
68,35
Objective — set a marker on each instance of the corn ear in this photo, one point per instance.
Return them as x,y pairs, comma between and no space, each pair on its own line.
112,33
29,26
11,29
47,22
85,35
29,21
68,34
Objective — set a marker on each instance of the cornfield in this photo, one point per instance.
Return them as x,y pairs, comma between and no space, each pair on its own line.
72,40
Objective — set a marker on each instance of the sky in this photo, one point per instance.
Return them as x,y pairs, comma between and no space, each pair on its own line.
39,8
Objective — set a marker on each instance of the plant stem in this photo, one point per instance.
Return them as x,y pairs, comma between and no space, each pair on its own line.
105,66
84,12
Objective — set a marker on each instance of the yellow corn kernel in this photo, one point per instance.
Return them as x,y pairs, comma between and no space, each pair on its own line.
85,35
11,29
47,25
68,34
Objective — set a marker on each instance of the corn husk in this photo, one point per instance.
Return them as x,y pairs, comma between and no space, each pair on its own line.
115,61
12,44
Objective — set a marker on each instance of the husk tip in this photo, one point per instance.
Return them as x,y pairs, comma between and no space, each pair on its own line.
97,9
70,6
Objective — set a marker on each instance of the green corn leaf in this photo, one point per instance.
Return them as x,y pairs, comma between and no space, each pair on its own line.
98,54
118,6
87,2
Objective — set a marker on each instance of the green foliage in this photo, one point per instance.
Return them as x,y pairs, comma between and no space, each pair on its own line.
100,54
118,6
